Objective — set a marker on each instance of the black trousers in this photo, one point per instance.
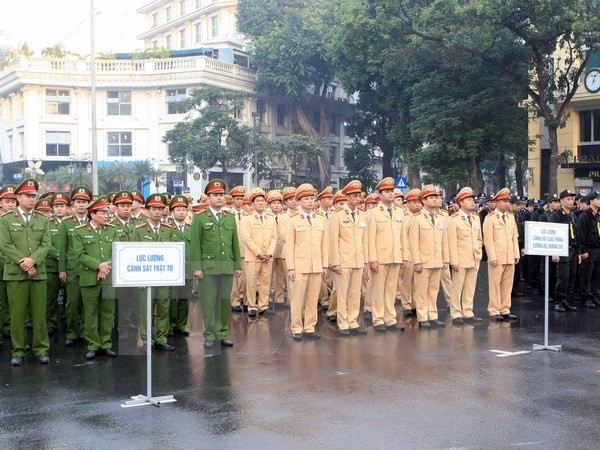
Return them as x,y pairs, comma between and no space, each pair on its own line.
566,274
589,275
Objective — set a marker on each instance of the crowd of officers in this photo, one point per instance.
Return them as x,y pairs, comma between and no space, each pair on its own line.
298,249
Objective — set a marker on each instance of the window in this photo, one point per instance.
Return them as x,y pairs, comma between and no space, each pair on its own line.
176,101
260,112
182,7
316,120
154,44
118,103
281,114
168,13
182,38
240,60
331,91
119,143
214,26
154,20
333,155
589,126
58,101
168,41
333,128
198,32
58,143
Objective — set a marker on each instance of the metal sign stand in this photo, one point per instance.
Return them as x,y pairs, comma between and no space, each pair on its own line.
554,348
143,400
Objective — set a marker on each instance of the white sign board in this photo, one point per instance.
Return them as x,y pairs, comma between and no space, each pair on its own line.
546,239
142,264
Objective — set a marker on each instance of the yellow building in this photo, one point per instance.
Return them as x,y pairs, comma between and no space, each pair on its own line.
578,141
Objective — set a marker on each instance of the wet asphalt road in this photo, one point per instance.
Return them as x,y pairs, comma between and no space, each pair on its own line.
439,388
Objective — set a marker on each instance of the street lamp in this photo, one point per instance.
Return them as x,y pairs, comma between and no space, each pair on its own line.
77,162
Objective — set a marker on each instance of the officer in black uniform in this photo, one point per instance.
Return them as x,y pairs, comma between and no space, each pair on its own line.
566,266
588,230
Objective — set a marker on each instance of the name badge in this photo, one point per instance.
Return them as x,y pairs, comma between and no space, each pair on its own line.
209,225
362,224
440,225
345,221
398,218
15,224
88,237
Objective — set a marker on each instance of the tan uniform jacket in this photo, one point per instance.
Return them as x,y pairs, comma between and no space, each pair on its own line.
408,218
258,236
238,221
464,240
384,234
428,242
306,245
500,238
281,221
348,239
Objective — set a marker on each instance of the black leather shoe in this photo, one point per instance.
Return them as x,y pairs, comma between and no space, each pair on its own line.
344,332
51,331
237,309
171,333
357,331
164,347
458,321
437,323
558,307
43,359
110,353
182,333
252,313
589,304
408,313
424,324
368,316
297,336
568,306
90,355
395,327
595,300
69,342
472,319
226,343
497,318
332,319
509,316
209,344
6,333
314,336
16,361
381,328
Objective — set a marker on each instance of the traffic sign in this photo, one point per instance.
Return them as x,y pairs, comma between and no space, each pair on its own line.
401,182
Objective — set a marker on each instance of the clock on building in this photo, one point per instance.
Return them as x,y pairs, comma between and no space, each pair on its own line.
592,80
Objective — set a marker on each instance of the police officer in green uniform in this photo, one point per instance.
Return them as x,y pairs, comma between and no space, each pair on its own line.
215,258
69,267
180,295
154,231
93,247
8,202
136,207
60,202
25,241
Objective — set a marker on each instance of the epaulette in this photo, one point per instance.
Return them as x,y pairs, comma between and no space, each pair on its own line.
295,213
81,226
454,215
320,213
68,218
248,213
4,214
141,225
110,225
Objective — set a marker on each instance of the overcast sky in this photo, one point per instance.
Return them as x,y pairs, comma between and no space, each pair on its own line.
43,23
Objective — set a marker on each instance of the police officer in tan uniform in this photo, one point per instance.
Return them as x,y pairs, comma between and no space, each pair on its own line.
414,206
307,258
238,291
429,252
339,201
465,247
502,247
258,232
348,244
275,202
384,227
325,200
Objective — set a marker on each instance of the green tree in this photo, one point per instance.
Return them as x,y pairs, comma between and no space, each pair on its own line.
55,51
291,50
359,160
211,136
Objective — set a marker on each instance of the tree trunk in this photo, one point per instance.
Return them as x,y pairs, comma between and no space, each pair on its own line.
386,160
476,173
501,171
554,160
308,129
519,178
413,175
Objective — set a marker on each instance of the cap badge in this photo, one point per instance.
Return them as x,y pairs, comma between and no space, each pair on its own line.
30,183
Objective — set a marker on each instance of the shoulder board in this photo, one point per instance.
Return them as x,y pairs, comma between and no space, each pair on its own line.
5,214
454,215
81,226
248,214
68,218
294,214
141,225
319,213
110,225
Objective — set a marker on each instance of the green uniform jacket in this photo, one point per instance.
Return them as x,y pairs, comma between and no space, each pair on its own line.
184,236
143,233
67,259
91,250
124,232
19,240
215,245
2,257
52,258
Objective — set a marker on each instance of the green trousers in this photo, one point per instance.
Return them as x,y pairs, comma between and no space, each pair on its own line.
215,293
160,312
179,308
4,311
99,313
73,309
22,295
53,287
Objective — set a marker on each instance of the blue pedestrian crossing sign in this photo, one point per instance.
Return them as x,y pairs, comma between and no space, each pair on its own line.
401,182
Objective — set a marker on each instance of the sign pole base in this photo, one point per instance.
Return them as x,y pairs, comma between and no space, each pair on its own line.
142,400
554,348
